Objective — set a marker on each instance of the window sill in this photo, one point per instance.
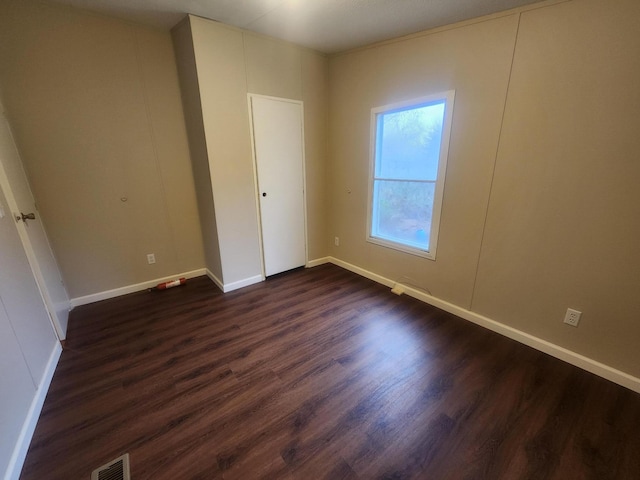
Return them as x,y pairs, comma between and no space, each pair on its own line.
431,255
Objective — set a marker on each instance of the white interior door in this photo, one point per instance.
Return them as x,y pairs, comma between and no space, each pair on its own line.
21,300
17,392
27,341
279,153
13,181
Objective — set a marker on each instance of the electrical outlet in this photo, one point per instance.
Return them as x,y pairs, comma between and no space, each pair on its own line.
336,241
151,258
572,317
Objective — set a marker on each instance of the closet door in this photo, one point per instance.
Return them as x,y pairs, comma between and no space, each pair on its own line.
279,153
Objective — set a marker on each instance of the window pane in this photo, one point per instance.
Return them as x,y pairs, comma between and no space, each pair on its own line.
402,212
408,142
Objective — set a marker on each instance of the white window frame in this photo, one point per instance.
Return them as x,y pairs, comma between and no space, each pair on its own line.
448,97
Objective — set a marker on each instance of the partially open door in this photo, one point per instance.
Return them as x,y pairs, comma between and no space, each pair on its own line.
22,207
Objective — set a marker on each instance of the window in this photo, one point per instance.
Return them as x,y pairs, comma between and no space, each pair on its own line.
409,146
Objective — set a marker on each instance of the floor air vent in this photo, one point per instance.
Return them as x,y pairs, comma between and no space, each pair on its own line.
117,469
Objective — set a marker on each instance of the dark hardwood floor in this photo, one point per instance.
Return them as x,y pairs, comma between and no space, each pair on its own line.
319,374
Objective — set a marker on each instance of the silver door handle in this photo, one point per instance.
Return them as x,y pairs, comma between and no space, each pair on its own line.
24,218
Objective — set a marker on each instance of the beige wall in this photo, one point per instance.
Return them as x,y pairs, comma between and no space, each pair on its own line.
475,62
315,95
186,64
229,63
563,225
95,107
562,208
219,55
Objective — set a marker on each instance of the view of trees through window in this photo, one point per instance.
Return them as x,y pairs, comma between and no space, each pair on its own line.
407,153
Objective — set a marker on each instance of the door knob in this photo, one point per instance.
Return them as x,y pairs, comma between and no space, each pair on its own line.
24,218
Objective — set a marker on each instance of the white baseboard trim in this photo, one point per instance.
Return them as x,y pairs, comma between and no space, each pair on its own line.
317,262
215,280
116,292
362,272
585,363
229,287
29,426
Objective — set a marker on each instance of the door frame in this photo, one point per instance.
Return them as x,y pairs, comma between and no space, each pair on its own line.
250,97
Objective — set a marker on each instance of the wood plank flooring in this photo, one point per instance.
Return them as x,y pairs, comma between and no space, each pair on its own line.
319,374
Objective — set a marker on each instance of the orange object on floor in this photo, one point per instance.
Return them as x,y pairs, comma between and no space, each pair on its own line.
171,283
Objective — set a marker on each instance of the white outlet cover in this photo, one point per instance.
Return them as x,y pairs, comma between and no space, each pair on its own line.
572,317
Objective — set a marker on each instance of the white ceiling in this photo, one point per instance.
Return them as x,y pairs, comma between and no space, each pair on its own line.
329,26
